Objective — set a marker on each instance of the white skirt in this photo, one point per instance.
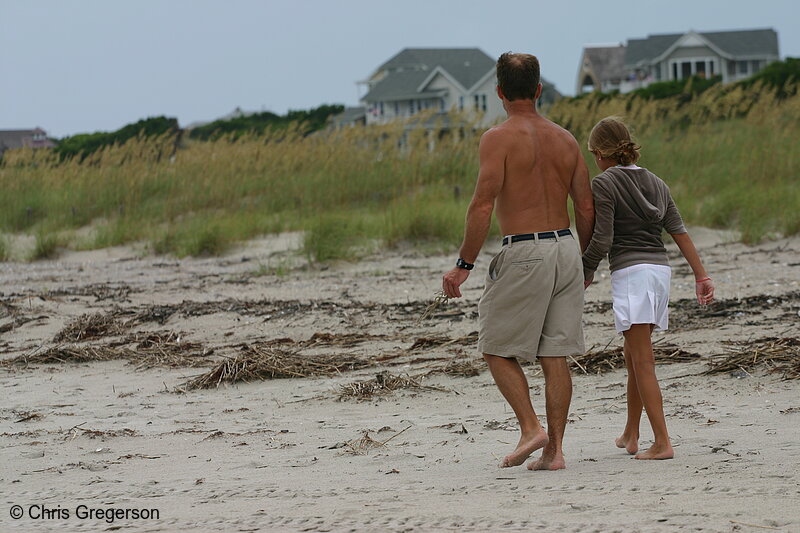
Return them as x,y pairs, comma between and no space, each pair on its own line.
641,296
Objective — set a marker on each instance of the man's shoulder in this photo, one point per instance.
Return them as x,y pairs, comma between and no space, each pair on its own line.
498,136
500,131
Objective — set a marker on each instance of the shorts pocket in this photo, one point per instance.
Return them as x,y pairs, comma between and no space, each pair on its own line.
526,264
495,266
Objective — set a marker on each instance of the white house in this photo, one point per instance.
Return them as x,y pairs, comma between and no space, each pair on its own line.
733,55
438,79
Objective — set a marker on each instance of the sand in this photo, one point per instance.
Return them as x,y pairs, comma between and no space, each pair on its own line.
285,455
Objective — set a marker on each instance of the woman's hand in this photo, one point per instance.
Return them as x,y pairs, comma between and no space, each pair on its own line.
704,288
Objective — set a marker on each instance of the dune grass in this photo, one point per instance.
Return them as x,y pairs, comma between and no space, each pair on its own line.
46,246
728,156
5,248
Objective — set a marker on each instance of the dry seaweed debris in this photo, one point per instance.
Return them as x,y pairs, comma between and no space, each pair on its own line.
77,430
160,349
462,367
422,343
259,362
440,298
90,326
383,383
362,445
345,340
100,291
777,355
600,361
687,314
64,354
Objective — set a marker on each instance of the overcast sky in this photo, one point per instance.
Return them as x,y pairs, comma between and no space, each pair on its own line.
72,66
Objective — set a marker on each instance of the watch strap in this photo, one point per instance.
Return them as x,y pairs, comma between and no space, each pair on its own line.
463,264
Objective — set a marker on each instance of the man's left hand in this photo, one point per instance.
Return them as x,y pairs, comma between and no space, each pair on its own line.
452,280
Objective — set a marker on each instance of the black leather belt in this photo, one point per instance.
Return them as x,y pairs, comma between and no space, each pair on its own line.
536,236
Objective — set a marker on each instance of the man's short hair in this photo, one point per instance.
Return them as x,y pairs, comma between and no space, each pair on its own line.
518,76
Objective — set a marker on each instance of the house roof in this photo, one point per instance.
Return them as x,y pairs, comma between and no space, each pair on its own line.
745,43
14,138
406,71
644,50
735,43
466,65
607,62
349,115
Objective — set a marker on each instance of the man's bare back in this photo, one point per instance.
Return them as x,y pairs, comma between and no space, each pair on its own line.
542,160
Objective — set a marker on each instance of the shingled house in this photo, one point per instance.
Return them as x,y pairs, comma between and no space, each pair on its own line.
734,55
35,138
602,68
438,79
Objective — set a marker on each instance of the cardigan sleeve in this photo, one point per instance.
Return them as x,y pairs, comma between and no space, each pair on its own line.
603,234
673,222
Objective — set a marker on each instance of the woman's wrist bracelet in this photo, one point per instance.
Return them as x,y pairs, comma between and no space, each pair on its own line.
702,280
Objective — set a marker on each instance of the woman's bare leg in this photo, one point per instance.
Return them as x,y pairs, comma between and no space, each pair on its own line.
630,435
644,368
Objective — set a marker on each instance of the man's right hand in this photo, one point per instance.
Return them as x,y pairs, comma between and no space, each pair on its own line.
452,280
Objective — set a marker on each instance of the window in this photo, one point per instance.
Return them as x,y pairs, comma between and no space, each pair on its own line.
441,105
674,71
710,68
397,108
477,101
700,68
411,107
755,66
731,68
483,102
461,103
381,107
686,69
742,67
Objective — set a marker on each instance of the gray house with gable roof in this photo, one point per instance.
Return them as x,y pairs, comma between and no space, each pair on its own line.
438,79
734,55
35,138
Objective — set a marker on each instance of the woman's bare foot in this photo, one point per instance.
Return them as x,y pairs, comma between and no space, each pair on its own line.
630,443
548,461
657,452
528,443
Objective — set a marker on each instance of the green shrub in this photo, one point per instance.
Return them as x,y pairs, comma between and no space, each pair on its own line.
195,237
84,144
333,237
46,246
258,123
5,248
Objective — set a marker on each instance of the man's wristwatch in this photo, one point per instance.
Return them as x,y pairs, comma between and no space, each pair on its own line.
463,264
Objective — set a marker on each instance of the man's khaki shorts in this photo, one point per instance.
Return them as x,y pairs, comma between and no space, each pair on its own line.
533,301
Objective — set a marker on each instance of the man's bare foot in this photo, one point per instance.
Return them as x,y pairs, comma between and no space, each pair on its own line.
657,452
548,461
630,443
527,445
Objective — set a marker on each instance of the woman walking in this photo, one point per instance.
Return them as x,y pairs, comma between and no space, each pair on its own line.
632,207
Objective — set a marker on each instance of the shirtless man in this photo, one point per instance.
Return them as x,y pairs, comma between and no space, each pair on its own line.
532,304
